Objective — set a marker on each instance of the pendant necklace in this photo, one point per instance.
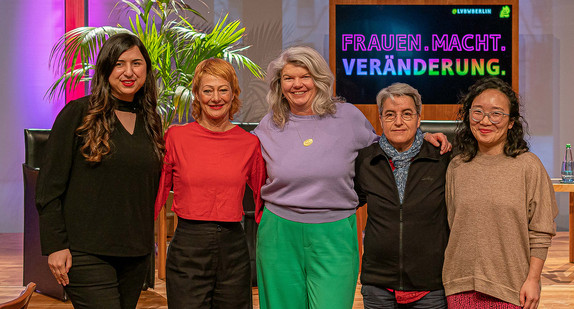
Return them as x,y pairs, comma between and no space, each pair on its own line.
308,142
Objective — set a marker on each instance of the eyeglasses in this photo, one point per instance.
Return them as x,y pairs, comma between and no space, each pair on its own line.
392,116
495,117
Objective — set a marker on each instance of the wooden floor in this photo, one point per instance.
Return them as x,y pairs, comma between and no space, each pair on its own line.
557,279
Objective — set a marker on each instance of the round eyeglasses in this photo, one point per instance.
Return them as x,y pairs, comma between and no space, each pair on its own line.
495,117
392,116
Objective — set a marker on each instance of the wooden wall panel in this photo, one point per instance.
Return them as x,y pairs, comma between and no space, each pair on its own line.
75,18
440,111
372,114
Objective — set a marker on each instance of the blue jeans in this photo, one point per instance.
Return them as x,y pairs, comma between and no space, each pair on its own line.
381,298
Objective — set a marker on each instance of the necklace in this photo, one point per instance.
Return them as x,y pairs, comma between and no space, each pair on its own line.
308,142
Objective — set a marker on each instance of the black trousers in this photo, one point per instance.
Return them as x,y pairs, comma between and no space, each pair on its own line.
208,266
106,281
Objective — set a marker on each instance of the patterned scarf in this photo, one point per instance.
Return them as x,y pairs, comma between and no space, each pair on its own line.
402,160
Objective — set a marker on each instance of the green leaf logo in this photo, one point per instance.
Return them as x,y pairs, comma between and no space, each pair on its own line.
505,12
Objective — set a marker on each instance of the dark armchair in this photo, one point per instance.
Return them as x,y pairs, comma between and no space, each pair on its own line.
448,127
35,265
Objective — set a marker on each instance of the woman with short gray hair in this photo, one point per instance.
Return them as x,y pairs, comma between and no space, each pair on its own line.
403,258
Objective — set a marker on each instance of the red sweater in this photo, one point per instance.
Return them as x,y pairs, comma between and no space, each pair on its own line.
208,171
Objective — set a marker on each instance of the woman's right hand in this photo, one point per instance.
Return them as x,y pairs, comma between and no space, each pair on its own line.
60,263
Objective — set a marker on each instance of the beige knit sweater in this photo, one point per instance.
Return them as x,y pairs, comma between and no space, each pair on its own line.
501,212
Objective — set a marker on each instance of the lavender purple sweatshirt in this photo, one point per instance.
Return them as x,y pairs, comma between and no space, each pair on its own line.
313,184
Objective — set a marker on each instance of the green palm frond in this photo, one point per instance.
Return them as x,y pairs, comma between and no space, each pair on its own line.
69,80
234,57
182,101
135,5
175,47
74,52
80,44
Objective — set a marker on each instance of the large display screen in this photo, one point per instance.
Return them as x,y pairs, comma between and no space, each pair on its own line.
439,49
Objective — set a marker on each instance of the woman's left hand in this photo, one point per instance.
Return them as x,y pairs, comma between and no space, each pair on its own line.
530,294
439,139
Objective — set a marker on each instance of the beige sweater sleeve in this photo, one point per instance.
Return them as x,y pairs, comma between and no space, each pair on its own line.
542,207
449,190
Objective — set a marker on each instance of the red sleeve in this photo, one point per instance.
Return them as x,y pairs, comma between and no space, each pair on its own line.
166,180
256,180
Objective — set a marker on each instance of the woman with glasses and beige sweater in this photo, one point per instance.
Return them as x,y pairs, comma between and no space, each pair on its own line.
501,206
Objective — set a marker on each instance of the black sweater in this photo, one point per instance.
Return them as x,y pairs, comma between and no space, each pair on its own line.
404,243
104,208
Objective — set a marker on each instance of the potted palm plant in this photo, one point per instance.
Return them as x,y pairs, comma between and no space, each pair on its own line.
173,43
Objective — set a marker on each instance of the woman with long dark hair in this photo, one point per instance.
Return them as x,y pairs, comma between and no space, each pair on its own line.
97,185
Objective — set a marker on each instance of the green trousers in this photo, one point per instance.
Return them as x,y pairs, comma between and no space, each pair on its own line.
306,265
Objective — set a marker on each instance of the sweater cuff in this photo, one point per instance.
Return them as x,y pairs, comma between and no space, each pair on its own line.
540,253
53,235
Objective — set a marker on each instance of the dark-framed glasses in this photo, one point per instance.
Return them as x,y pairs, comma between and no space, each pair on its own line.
392,116
495,117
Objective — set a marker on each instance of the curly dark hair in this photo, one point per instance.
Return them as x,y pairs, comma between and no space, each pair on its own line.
99,121
466,144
